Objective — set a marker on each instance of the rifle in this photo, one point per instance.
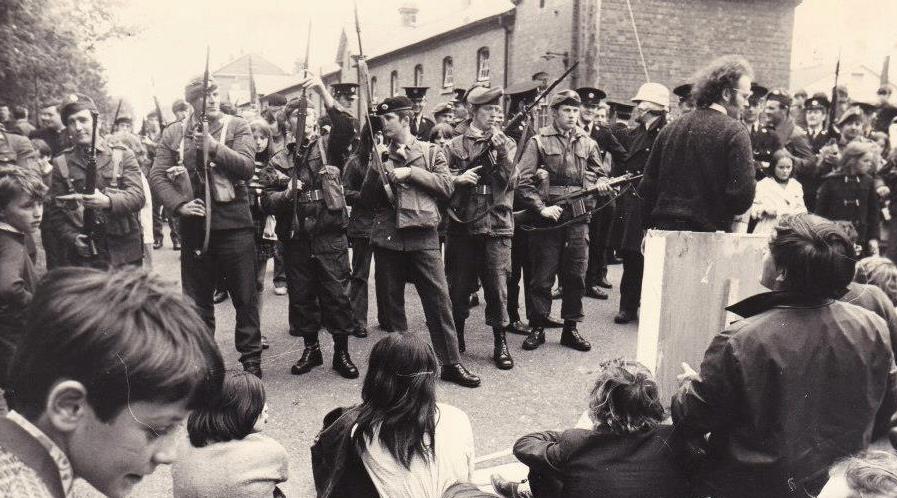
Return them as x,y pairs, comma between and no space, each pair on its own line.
299,135
573,204
365,93
90,186
117,110
831,112
204,168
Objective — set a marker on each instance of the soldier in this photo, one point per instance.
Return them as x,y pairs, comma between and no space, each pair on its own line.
119,195
611,151
404,234
420,125
764,140
444,113
345,94
573,162
481,224
176,177
311,221
180,108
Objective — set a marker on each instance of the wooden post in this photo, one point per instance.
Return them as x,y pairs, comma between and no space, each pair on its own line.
689,280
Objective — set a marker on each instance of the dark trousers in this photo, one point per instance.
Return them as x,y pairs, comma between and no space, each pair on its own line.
54,249
158,211
380,291
631,282
599,232
231,255
563,252
468,257
317,280
426,271
362,255
521,266
280,276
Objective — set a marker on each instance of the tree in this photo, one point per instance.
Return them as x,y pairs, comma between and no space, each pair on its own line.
47,49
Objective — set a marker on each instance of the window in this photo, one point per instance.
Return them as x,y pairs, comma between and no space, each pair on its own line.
483,64
418,75
394,83
448,73
373,90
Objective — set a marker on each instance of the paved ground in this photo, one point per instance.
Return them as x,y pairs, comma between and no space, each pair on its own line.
547,388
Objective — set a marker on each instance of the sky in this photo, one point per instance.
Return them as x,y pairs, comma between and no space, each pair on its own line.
169,37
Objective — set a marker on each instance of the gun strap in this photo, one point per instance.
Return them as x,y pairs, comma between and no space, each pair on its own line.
117,155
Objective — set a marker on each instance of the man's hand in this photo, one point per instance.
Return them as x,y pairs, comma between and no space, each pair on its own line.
96,200
542,174
469,177
312,82
82,245
551,212
603,186
196,208
687,374
883,191
401,175
830,153
197,140
500,141
175,171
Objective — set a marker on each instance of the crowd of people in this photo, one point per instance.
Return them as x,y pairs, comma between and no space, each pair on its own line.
98,353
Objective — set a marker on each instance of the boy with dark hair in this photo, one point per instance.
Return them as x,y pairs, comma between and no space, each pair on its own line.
108,367
21,209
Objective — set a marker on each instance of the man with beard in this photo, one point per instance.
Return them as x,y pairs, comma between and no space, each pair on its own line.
573,162
652,103
177,178
700,173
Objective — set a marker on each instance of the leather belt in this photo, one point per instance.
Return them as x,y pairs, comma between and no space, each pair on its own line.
482,190
311,196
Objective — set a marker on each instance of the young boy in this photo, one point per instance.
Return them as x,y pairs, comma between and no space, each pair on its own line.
21,209
108,367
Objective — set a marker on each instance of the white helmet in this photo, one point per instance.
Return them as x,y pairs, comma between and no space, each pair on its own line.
654,93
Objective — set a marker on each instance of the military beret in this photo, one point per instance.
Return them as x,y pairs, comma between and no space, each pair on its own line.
193,90
484,96
759,91
393,104
683,91
443,108
851,114
565,97
348,90
75,103
779,95
180,105
416,92
123,119
276,99
292,105
590,96
817,101
459,94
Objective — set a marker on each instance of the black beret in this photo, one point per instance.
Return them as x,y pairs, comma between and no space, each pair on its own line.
393,104
481,95
76,103
276,99
818,101
344,89
459,94
193,90
683,91
779,95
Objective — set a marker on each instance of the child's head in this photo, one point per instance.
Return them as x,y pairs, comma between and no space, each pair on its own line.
872,474
108,367
261,131
880,272
240,411
21,198
42,148
625,398
857,158
782,165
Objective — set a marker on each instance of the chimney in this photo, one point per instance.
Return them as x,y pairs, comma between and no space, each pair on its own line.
408,11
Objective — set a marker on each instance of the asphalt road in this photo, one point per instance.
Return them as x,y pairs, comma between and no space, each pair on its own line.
546,389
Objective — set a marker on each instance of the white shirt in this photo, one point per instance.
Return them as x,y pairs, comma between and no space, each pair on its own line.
66,474
718,108
425,478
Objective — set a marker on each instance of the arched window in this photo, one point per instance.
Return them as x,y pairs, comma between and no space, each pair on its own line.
448,73
393,83
483,64
419,75
373,89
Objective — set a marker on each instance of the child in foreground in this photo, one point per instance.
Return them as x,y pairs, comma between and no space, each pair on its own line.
108,367
228,455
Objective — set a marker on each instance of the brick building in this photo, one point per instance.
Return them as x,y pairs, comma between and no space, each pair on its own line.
458,43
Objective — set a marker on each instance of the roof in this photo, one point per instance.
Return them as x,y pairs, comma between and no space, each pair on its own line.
861,81
240,66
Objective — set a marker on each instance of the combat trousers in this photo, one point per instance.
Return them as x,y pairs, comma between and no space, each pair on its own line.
231,255
362,255
468,257
521,266
563,252
631,282
280,276
158,211
317,273
599,232
426,271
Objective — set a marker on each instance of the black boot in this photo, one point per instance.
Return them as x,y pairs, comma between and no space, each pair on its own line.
342,363
595,292
602,282
570,337
459,330
500,354
535,339
625,316
457,374
253,368
311,358
518,327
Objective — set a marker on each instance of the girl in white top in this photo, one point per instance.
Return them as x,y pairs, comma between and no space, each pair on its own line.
777,195
411,446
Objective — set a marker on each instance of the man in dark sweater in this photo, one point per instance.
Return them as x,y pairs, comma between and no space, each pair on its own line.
700,172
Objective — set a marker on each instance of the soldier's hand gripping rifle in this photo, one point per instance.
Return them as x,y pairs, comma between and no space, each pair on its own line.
572,204
299,137
90,186
366,95
204,166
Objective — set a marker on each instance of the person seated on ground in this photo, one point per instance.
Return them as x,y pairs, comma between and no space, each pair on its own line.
800,382
228,455
626,452
108,367
871,474
880,272
399,442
